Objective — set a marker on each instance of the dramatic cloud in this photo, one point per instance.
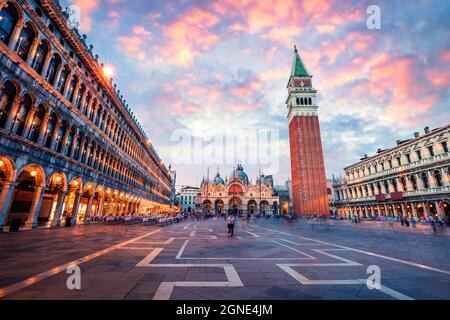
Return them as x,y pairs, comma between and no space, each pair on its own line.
222,66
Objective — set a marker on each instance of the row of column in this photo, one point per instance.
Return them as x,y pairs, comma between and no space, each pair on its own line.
361,192
59,204
383,210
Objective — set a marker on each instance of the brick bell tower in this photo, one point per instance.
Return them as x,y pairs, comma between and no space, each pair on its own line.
309,187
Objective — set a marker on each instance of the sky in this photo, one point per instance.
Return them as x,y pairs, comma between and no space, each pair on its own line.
215,68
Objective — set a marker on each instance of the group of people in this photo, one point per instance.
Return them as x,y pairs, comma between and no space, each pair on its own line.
230,219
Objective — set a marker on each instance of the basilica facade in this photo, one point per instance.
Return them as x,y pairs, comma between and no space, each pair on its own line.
236,195
70,145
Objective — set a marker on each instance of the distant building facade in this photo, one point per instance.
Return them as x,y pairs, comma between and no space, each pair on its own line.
410,179
236,195
186,198
69,144
284,195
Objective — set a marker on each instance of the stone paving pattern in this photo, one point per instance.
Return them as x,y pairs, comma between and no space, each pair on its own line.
255,254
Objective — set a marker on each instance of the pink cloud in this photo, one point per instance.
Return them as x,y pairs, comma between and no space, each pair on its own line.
87,7
188,37
132,47
140,30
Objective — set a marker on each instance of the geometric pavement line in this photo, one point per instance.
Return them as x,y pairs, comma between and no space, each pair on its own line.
287,267
54,271
166,288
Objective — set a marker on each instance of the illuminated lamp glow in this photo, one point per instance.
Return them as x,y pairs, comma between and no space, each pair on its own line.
108,71
33,173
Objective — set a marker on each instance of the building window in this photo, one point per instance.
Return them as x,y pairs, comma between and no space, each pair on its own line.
19,121
444,146
390,164
408,158
41,55
419,155
399,161
431,151
8,20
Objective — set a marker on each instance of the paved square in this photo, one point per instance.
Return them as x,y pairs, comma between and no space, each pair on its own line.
268,259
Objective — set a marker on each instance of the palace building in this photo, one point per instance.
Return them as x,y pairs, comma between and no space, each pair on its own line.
309,187
69,144
236,195
410,179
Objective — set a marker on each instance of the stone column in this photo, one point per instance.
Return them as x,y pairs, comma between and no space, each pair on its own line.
399,185
59,210
425,210
89,208
32,52
438,208
67,86
80,155
414,212
48,58
29,121
100,206
75,92
15,34
32,219
404,213
55,135
83,100
431,179
74,143
6,196
444,176
88,152
14,109
76,206
57,75
383,188
43,129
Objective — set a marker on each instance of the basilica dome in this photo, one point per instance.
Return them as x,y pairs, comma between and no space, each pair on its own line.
240,174
218,179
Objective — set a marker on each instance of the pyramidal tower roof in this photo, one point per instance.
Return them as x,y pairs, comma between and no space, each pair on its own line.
298,68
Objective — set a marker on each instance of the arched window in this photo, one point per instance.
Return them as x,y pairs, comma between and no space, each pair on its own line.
62,79
21,116
55,62
83,156
7,95
50,130
36,124
301,101
80,96
77,146
61,133
68,148
72,85
84,107
414,182
41,55
424,177
298,101
438,178
8,20
98,115
310,101
25,41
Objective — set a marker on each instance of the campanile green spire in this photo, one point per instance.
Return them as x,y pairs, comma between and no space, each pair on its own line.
298,68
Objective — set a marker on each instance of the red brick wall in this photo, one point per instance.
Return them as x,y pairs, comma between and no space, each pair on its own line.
306,147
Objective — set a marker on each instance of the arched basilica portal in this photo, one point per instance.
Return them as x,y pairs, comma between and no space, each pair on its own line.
237,196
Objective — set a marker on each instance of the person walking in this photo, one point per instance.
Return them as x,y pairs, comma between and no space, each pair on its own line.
432,222
402,222
230,224
244,221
